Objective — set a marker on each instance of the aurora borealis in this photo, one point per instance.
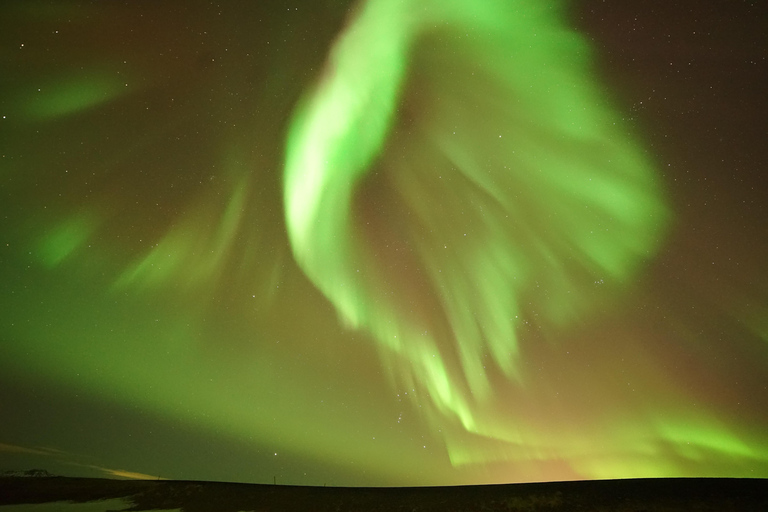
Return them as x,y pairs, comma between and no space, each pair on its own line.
384,243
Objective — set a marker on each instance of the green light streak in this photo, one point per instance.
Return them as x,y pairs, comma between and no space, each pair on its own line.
66,239
695,438
73,94
524,188
195,250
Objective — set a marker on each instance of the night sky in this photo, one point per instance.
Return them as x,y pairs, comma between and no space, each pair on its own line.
393,242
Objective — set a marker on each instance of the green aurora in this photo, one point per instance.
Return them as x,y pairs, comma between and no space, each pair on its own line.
436,255
543,131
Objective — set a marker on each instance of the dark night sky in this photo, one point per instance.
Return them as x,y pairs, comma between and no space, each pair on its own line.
166,312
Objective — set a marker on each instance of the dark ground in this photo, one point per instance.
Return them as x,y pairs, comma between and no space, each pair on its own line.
646,495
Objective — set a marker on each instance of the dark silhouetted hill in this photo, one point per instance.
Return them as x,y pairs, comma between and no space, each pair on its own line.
642,495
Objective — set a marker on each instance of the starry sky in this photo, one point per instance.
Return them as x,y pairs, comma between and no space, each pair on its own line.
387,242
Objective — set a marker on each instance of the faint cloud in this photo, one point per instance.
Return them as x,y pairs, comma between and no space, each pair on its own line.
65,458
12,448
121,473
